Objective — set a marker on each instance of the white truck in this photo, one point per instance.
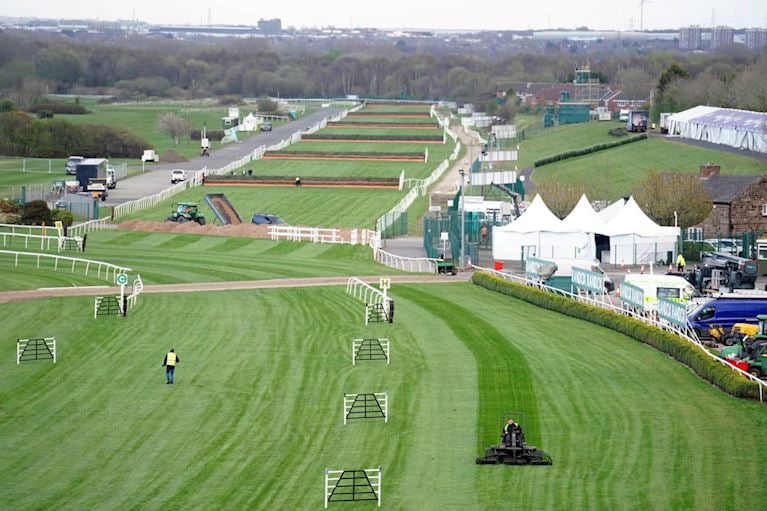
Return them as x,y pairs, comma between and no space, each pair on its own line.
670,287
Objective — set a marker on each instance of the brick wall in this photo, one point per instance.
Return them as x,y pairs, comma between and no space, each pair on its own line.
747,209
718,222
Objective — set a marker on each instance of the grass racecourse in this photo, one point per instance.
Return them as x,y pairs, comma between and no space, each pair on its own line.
255,415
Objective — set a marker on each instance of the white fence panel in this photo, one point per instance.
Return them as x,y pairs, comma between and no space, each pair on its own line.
106,271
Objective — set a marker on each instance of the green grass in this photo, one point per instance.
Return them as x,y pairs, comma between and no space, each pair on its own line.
314,207
362,147
142,119
163,258
616,172
562,138
255,415
372,131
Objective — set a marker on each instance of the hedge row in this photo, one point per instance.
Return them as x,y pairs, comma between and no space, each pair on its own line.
21,135
346,153
214,135
588,150
57,107
362,136
673,345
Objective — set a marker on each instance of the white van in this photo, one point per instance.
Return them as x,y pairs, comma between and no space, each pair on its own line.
670,287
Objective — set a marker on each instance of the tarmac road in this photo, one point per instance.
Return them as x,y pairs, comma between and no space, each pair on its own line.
157,177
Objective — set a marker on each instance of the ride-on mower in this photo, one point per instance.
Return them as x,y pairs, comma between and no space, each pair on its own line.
512,450
186,212
738,332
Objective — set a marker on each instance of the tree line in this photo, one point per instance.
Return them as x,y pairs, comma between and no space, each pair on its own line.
33,64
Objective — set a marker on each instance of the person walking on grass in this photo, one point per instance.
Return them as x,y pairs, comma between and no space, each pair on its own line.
169,363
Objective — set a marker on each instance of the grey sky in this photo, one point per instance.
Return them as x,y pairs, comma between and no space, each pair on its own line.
452,14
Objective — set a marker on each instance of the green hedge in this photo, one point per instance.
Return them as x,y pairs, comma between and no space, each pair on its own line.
588,150
673,345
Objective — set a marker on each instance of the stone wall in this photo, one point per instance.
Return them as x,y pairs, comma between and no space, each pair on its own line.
747,209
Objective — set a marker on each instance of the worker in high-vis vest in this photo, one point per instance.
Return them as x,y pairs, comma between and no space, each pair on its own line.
170,361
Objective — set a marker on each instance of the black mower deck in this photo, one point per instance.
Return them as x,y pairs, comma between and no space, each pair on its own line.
525,455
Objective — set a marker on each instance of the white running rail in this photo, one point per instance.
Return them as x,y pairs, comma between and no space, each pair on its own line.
89,226
106,271
134,206
409,264
365,292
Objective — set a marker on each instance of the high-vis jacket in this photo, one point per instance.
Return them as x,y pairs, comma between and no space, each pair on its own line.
170,359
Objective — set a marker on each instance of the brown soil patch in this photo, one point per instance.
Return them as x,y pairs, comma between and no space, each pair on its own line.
243,230
171,156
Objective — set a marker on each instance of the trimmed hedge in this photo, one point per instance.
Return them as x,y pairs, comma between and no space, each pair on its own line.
319,154
57,107
588,150
214,135
666,342
362,136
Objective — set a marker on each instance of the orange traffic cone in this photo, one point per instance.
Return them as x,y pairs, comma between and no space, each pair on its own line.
670,267
641,270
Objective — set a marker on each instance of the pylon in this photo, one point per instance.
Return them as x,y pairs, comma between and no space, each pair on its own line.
670,267
641,270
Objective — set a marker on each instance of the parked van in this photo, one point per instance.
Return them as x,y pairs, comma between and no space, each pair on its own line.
562,278
726,310
670,287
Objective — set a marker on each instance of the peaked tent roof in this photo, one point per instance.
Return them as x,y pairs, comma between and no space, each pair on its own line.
632,220
584,218
537,217
610,211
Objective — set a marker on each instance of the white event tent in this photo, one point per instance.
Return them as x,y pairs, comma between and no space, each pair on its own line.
636,239
622,228
743,129
538,232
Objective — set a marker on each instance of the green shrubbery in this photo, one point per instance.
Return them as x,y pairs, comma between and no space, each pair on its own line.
673,345
57,107
21,135
588,150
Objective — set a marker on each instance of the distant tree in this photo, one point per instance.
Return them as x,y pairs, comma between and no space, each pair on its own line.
661,194
561,199
36,212
173,125
266,105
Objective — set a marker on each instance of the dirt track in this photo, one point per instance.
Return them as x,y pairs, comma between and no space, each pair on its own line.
33,294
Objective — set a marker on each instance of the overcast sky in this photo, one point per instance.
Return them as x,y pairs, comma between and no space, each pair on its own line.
452,14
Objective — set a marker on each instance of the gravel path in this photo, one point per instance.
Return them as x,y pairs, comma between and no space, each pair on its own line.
33,294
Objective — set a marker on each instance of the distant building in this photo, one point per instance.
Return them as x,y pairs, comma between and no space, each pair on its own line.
690,38
272,26
756,38
721,37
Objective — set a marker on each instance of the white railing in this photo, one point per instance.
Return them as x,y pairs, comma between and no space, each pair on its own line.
319,235
409,264
627,312
450,133
106,271
138,287
89,226
454,154
365,292
475,134
134,206
60,242
47,230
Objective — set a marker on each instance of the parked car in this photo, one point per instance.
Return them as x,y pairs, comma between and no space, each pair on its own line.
71,166
726,310
267,126
727,245
176,176
266,219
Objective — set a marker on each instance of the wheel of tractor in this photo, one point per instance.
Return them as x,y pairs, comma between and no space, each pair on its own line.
755,371
182,220
454,271
201,220
730,339
170,219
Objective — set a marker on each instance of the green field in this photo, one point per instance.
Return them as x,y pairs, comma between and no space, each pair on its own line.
163,258
255,415
314,207
616,172
397,120
396,109
563,138
141,119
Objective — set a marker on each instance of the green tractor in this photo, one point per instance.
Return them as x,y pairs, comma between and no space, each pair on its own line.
750,354
186,212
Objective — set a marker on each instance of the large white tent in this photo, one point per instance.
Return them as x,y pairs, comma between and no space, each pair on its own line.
538,232
585,219
636,239
743,129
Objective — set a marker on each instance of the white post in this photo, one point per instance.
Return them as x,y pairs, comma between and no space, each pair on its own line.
54,350
380,484
344,409
18,352
354,353
326,489
386,407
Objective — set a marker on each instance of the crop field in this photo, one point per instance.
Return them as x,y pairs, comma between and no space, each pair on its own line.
315,207
616,172
254,417
163,258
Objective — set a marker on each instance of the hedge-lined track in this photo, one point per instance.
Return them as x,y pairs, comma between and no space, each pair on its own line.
627,426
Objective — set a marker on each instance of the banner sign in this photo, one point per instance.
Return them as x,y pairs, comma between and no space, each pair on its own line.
533,266
632,295
588,280
673,312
